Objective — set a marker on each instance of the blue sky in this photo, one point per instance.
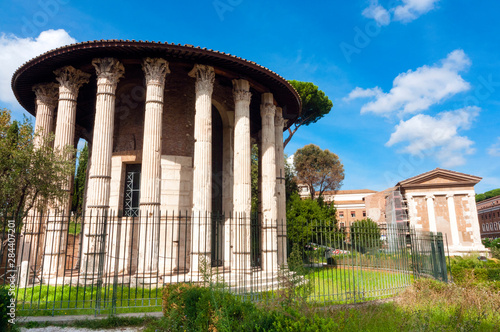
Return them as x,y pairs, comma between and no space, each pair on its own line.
415,83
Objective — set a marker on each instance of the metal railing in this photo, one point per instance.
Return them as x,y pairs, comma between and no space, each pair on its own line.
93,264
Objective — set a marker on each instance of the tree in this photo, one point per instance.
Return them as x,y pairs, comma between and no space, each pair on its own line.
315,105
290,181
80,180
365,234
320,170
311,221
488,194
30,176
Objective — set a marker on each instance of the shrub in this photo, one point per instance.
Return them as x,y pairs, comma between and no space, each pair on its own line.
4,310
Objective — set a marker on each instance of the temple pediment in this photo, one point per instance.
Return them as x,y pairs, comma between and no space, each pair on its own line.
440,177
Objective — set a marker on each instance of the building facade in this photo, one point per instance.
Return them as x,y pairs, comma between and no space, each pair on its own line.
350,204
170,128
489,217
438,201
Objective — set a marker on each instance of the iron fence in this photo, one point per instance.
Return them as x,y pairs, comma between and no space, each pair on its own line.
103,263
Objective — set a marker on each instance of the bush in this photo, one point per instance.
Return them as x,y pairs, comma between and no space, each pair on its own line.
4,310
365,235
470,269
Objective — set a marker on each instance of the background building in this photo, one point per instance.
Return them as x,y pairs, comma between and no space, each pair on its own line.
489,217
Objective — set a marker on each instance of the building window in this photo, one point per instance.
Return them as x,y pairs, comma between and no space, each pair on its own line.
132,190
341,224
341,214
353,214
482,225
487,227
496,226
364,213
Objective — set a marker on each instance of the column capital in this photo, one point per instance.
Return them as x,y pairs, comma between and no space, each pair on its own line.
429,196
47,93
109,70
408,196
155,70
450,195
205,78
267,107
279,122
71,78
241,90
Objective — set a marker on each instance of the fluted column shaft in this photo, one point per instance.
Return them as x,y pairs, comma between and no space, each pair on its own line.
108,71
155,71
280,186
46,100
70,80
202,169
242,176
268,193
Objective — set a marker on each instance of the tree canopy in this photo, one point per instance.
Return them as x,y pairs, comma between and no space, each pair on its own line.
488,194
80,179
315,105
320,170
30,176
311,221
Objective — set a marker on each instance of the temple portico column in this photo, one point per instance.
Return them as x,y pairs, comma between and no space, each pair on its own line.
155,71
70,80
280,186
242,185
201,227
46,100
268,193
476,231
109,71
431,213
455,239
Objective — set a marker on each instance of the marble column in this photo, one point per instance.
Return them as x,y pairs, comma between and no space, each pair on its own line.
108,71
201,227
70,80
155,71
476,231
242,184
280,186
46,100
268,192
455,238
431,213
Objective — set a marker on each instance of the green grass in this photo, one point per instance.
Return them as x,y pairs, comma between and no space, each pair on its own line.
347,285
51,300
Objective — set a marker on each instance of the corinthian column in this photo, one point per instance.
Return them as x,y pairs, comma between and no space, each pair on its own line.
155,71
202,169
46,100
268,194
109,71
280,185
242,177
70,80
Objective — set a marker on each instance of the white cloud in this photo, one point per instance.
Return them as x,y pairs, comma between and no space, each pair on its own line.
408,11
363,93
14,51
378,13
437,136
494,149
413,9
416,91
